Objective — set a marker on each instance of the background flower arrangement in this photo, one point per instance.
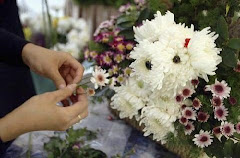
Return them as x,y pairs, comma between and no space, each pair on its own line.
65,34
180,82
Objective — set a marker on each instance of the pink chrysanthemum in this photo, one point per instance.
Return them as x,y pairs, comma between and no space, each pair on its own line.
187,92
189,128
216,101
189,113
196,103
220,113
107,60
183,106
129,45
179,98
203,139
183,121
219,89
202,117
217,130
195,82
227,129
238,127
93,54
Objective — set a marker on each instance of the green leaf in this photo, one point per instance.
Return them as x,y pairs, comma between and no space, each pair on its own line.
124,18
228,148
144,15
93,46
222,28
128,34
234,43
229,57
236,150
126,25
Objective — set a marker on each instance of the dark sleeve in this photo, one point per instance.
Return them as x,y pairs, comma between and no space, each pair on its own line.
11,47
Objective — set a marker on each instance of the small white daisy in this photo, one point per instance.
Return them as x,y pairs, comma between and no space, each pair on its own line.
227,128
238,127
99,78
121,78
197,103
112,82
127,71
90,92
220,113
203,139
189,113
189,128
219,89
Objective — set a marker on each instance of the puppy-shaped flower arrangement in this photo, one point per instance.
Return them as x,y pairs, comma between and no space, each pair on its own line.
169,61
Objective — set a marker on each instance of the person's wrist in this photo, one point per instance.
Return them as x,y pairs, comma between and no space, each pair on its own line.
26,53
11,126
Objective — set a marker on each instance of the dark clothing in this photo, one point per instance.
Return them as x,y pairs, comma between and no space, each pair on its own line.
15,77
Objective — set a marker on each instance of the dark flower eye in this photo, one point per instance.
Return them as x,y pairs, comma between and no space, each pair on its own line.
148,65
176,59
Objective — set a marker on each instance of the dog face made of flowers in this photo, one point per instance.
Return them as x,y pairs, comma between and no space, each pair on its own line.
169,55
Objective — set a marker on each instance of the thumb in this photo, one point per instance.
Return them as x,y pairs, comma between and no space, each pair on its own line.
58,80
64,93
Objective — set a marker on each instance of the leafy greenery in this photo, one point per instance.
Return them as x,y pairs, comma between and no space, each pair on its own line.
73,146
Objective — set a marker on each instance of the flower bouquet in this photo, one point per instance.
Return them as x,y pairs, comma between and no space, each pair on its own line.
178,83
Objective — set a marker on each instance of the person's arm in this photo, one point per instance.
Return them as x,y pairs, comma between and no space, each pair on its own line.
42,113
11,47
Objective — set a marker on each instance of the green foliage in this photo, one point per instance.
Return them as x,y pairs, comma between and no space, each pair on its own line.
234,43
93,46
64,148
222,28
115,3
229,57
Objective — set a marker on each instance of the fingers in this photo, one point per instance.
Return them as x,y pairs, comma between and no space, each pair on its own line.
77,69
58,79
80,106
64,93
77,119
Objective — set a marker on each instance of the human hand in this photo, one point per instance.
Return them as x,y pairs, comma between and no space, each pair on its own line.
41,113
60,67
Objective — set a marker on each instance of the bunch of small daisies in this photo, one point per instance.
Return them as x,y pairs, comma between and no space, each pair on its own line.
114,60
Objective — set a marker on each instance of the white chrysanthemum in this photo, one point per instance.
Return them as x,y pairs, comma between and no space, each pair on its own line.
152,30
73,49
128,99
169,63
99,78
79,24
158,118
204,54
78,37
64,25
